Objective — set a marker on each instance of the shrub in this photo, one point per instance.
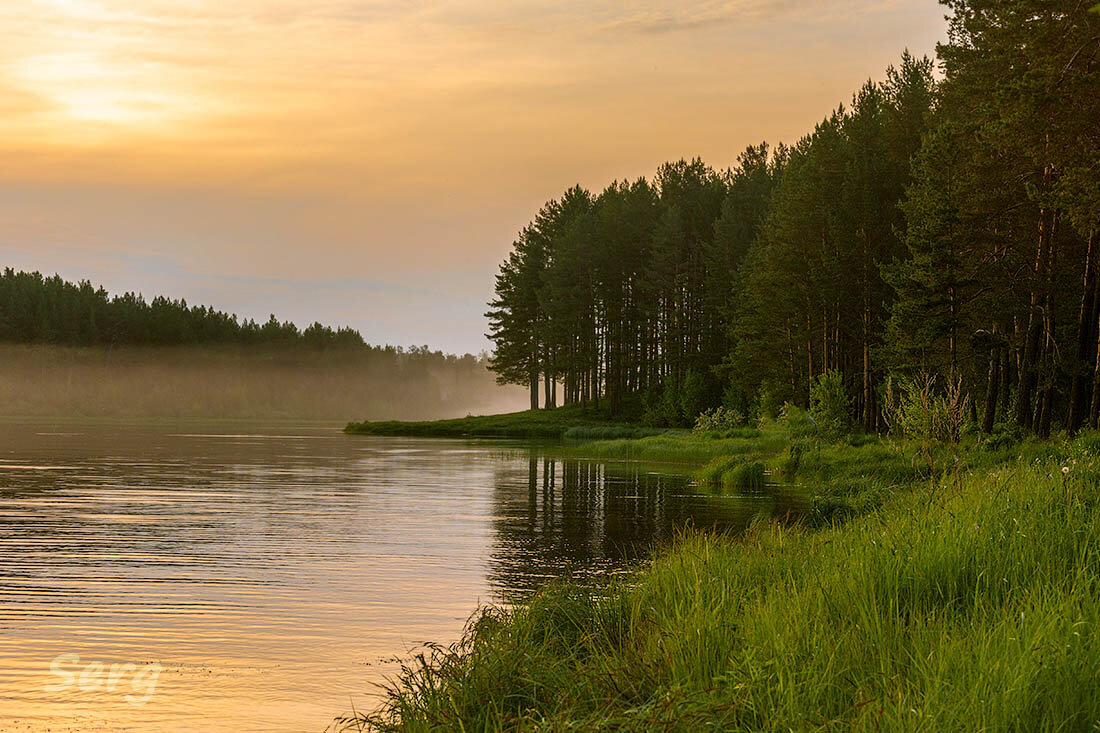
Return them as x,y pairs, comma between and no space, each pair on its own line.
916,409
718,419
829,405
797,421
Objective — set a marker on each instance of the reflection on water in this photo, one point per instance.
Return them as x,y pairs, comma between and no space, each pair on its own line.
259,579
587,520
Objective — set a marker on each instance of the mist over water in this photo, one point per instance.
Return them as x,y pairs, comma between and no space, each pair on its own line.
232,382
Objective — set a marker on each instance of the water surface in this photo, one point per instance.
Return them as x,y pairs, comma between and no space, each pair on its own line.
267,578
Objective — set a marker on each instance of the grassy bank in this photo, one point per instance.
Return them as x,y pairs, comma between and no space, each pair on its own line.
963,597
572,422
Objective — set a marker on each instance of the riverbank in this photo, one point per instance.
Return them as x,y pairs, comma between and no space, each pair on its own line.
960,594
571,422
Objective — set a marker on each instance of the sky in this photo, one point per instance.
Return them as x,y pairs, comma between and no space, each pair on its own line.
369,163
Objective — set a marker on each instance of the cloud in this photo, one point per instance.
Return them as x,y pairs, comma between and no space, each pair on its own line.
686,18
694,16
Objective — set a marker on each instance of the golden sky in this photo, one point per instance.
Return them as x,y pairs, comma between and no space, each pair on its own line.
370,162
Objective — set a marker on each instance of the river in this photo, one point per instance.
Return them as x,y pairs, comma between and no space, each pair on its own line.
253,577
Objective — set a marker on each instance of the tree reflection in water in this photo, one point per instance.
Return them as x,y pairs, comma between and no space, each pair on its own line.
587,520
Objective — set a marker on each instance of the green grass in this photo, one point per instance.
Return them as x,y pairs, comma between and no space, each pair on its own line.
610,432
553,424
733,472
968,601
679,446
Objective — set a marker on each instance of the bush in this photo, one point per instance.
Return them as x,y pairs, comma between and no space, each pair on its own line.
797,421
916,409
829,405
718,419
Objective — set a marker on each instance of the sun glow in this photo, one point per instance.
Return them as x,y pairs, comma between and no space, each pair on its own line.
86,87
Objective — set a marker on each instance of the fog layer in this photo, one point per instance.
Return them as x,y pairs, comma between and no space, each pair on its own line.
234,382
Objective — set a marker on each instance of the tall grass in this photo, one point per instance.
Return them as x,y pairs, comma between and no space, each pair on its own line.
680,447
733,472
970,602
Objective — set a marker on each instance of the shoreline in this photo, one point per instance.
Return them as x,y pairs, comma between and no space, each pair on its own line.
556,423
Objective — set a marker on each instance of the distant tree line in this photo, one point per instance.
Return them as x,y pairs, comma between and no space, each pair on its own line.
50,310
944,228
198,361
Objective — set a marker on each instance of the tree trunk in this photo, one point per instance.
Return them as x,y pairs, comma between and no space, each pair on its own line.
1094,408
546,381
809,351
1033,339
1086,341
868,391
533,378
790,352
992,389
1042,427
